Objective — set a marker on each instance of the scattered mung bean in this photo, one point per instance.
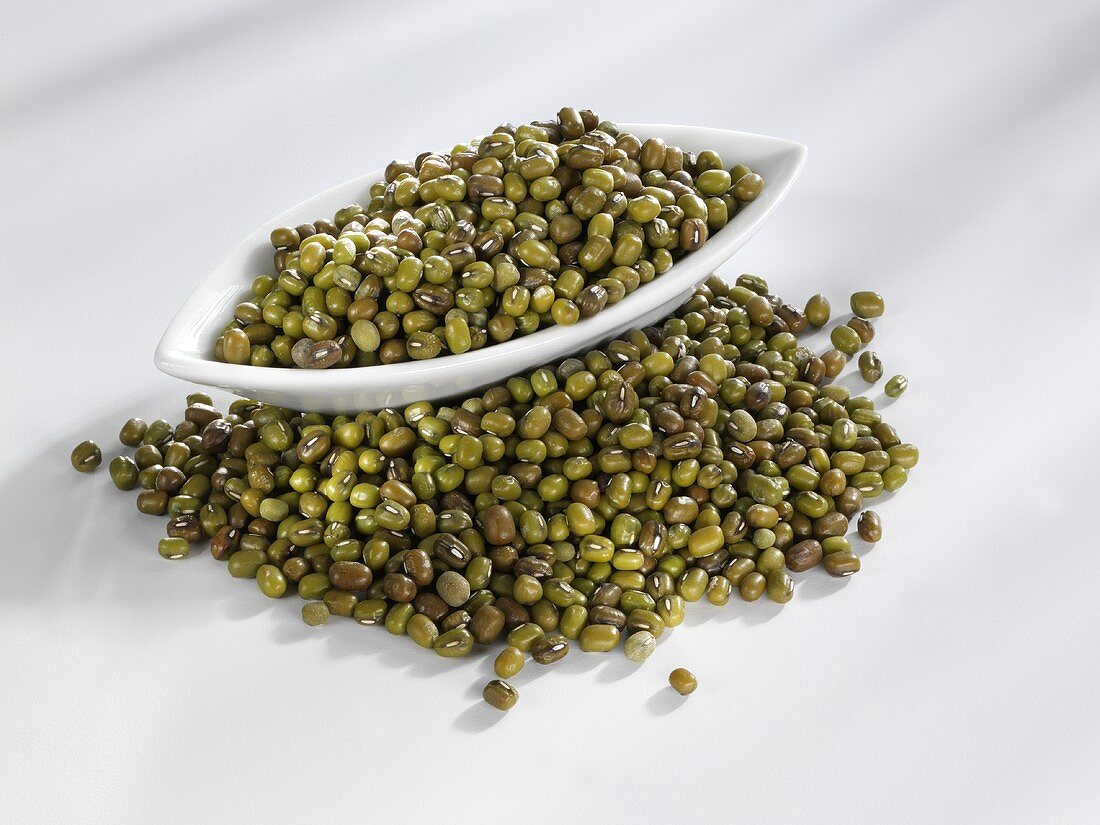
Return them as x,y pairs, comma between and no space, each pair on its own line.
500,694
818,310
896,386
870,367
867,304
683,681
86,456
870,526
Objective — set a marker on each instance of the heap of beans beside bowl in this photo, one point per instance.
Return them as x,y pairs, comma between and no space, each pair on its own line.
585,503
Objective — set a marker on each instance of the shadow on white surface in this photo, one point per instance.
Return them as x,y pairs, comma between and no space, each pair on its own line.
619,667
479,717
664,702
853,381
817,584
73,517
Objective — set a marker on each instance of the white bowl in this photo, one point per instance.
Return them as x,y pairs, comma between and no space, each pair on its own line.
185,349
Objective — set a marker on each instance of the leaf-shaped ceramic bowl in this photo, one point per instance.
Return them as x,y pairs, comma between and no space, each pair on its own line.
186,348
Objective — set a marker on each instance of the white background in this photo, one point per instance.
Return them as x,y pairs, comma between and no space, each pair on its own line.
953,166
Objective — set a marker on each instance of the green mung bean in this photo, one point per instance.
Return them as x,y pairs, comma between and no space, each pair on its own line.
683,681
86,456
315,613
870,526
500,695
132,432
174,548
896,386
639,646
124,472
818,310
870,367
867,304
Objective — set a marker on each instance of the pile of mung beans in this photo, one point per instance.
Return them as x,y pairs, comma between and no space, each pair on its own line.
582,503
539,224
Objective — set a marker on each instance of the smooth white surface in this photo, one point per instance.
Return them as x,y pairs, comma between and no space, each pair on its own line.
953,166
185,348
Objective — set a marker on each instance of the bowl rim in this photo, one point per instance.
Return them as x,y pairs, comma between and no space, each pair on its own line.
185,362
